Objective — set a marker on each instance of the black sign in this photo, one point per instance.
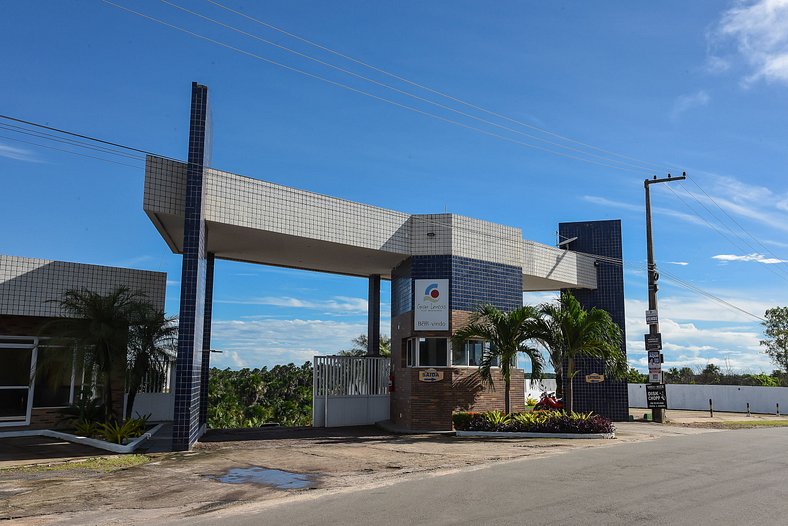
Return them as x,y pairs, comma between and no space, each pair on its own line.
656,396
653,342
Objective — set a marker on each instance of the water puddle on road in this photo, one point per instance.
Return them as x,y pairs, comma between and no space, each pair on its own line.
270,477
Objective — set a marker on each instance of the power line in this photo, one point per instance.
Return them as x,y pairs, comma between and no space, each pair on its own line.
362,92
403,92
424,87
67,151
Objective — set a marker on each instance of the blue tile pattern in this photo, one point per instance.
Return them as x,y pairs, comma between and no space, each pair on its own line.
206,339
609,398
188,373
472,282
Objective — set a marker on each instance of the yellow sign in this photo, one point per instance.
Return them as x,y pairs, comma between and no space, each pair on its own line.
430,375
595,378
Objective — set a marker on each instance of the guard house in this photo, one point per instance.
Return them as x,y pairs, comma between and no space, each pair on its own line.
29,293
440,266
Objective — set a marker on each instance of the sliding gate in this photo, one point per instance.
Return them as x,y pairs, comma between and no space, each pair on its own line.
350,390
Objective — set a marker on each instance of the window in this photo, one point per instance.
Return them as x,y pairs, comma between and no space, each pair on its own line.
470,354
427,352
14,381
56,380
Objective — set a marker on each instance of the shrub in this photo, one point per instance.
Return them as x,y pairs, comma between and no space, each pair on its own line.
530,422
86,428
118,433
531,401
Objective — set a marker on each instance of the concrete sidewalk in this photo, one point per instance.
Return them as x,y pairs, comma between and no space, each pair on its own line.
678,416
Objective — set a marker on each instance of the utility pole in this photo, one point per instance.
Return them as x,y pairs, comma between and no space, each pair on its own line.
654,338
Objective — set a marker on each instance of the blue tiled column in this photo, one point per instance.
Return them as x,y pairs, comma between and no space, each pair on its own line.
609,398
206,339
373,316
188,372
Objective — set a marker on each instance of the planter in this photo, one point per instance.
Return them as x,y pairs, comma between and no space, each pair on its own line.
514,434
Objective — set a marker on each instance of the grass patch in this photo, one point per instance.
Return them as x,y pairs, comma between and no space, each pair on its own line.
105,464
739,424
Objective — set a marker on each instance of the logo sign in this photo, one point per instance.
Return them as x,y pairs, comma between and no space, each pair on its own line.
655,377
653,342
654,361
651,317
430,375
595,378
656,396
431,305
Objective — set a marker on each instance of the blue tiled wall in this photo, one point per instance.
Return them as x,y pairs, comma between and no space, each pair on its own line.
472,282
609,398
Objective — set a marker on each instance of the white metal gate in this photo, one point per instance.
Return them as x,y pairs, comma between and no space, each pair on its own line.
349,390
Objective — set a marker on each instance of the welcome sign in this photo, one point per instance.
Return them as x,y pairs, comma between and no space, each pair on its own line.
431,305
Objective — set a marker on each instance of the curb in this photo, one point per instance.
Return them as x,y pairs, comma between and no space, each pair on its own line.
507,434
85,441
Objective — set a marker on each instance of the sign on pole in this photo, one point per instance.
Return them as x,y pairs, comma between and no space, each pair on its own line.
655,377
651,317
653,342
431,305
656,396
654,361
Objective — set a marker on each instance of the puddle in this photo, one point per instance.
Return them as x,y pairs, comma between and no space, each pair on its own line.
270,477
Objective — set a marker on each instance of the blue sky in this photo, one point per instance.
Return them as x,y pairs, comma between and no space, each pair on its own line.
695,86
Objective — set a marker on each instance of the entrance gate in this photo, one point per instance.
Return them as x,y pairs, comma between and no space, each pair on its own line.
350,390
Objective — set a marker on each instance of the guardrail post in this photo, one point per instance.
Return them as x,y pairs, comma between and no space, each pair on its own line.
778,409
711,409
748,409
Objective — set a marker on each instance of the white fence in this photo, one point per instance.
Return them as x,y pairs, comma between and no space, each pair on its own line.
733,398
349,390
535,388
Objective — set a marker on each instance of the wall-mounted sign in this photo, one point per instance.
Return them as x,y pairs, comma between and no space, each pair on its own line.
430,375
431,305
653,342
595,378
651,317
656,396
655,377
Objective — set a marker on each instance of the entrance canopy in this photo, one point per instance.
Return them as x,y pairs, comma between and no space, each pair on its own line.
260,222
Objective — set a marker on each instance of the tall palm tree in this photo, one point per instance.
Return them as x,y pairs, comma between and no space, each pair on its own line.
96,332
568,331
153,339
507,334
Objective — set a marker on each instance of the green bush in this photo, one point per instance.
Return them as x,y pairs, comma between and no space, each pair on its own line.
531,401
533,422
117,433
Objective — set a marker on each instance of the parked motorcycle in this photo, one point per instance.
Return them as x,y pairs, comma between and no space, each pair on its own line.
549,402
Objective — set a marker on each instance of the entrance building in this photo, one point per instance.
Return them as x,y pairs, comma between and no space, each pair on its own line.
440,266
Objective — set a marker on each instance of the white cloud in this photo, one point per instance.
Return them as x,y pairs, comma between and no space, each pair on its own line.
687,102
255,343
18,154
679,263
338,304
759,33
603,201
760,258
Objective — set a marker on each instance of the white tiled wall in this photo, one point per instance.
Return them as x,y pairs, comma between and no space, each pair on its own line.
246,202
27,285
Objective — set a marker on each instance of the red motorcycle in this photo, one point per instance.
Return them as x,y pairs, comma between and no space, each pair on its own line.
549,402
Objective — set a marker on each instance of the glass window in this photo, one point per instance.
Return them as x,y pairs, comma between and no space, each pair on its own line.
433,352
13,404
411,353
470,353
459,354
16,367
53,378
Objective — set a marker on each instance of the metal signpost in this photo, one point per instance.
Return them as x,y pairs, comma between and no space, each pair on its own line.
655,390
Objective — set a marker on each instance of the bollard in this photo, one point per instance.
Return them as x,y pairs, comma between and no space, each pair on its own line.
748,409
778,409
711,409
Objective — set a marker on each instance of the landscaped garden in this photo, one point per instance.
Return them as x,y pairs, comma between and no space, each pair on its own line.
533,422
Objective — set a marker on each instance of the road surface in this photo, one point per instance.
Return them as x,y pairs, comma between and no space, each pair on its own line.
720,478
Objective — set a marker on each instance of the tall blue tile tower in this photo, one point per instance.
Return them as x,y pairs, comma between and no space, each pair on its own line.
601,238
195,318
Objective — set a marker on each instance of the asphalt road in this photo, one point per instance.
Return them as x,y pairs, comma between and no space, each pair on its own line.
730,477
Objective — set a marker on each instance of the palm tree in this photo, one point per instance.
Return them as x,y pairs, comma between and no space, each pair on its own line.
153,339
568,331
96,332
507,334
